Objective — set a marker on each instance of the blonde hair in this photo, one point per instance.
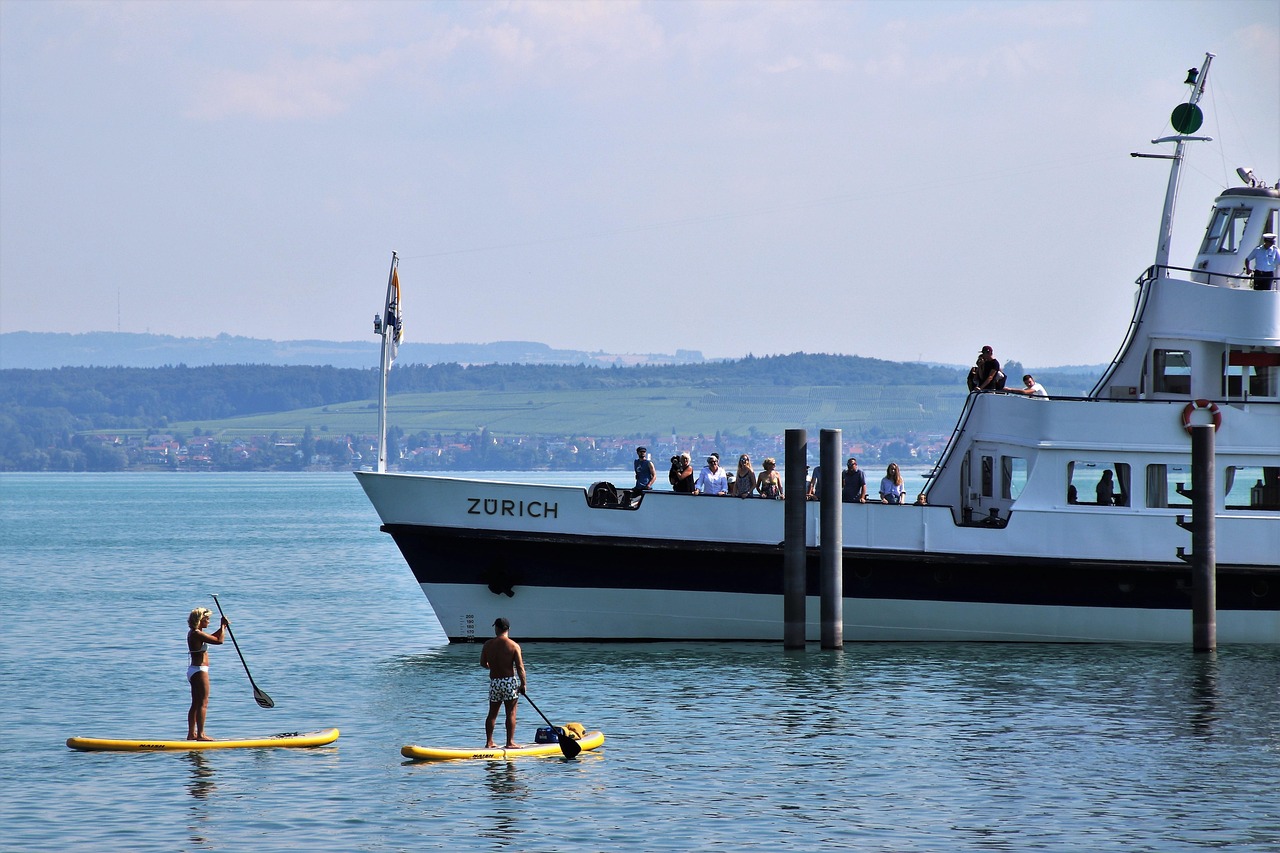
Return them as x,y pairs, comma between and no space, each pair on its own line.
769,462
197,615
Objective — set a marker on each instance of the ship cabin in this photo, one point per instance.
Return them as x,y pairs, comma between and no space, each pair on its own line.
1202,346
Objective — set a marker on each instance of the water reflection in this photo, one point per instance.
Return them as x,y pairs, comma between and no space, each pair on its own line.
1204,693
509,790
201,787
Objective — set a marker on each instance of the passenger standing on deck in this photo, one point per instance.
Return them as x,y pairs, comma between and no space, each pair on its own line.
681,475
892,491
712,480
853,484
645,472
770,482
1106,490
1265,259
815,485
198,642
744,486
502,657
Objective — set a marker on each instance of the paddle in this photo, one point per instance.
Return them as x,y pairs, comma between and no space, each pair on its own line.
258,696
568,745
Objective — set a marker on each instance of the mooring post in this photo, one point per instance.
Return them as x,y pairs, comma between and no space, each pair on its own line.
831,603
1204,558
793,545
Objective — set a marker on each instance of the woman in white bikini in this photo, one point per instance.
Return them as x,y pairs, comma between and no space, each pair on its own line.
198,642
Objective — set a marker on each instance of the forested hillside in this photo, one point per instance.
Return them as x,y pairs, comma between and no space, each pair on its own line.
49,418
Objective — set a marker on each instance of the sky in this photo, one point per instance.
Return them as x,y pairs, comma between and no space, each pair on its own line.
898,180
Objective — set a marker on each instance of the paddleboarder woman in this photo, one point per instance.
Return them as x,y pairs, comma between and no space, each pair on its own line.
198,642
501,656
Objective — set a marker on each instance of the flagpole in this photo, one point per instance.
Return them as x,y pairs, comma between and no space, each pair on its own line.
386,325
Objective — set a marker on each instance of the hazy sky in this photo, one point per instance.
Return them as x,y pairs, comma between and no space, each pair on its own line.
899,180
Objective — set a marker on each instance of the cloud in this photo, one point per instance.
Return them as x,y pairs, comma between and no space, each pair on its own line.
287,89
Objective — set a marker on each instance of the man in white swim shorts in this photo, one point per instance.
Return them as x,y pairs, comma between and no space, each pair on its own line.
507,680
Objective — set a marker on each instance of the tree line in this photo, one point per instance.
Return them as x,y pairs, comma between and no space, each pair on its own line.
45,414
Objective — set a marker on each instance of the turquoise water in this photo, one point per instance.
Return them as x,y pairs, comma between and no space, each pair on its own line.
883,747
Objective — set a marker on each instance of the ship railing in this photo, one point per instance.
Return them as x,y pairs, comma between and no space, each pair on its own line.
952,441
1144,282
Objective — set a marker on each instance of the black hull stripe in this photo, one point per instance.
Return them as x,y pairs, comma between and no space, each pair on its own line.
505,561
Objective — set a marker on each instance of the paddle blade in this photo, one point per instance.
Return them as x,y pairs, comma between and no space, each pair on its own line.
263,699
569,746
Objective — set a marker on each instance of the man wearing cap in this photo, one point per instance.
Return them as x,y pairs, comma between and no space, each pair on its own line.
712,480
1265,259
990,377
645,472
502,657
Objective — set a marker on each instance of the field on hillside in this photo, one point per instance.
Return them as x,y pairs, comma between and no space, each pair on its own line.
765,409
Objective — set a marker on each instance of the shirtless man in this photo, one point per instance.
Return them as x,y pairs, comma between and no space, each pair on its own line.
501,656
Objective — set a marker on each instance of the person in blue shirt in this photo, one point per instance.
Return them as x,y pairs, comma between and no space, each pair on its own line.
853,484
645,472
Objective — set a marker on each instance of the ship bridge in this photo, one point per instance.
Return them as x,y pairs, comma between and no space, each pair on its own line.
1203,332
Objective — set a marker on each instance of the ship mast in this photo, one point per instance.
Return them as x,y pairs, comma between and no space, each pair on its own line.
1186,119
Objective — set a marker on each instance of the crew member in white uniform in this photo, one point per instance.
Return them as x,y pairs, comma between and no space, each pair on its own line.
1265,259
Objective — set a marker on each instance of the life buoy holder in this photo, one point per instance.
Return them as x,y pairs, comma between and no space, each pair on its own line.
1210,406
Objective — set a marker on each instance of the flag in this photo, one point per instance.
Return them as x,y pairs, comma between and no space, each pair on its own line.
394,319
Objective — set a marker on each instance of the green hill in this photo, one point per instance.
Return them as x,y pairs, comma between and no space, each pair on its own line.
744,409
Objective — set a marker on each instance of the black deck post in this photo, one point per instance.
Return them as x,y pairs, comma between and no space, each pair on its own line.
1204,558
831,604
793,545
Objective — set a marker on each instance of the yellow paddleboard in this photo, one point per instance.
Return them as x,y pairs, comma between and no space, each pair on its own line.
294,739
590,740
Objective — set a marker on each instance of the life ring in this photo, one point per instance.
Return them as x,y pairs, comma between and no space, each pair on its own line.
1201,404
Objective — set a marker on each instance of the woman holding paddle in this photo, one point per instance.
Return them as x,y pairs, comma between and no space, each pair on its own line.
198,642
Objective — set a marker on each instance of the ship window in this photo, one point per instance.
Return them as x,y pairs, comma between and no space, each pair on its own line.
1163,482
1172,371
1252,373
1013,476
1084,476
988,476
1225,230
1252,487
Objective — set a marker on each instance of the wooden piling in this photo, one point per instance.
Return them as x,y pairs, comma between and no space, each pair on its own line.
831,602
1204,558
796,447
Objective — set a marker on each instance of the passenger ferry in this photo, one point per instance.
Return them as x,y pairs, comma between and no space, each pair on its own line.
1011,544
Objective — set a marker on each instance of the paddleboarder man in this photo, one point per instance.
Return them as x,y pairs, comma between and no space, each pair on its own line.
507,680
198,642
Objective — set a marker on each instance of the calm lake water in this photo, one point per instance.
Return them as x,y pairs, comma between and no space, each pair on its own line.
885,747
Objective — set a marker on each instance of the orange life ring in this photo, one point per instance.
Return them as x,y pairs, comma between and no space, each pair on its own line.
1201,404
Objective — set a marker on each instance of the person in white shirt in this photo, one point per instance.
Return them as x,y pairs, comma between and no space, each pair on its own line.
1032,388
1265,259
712,480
